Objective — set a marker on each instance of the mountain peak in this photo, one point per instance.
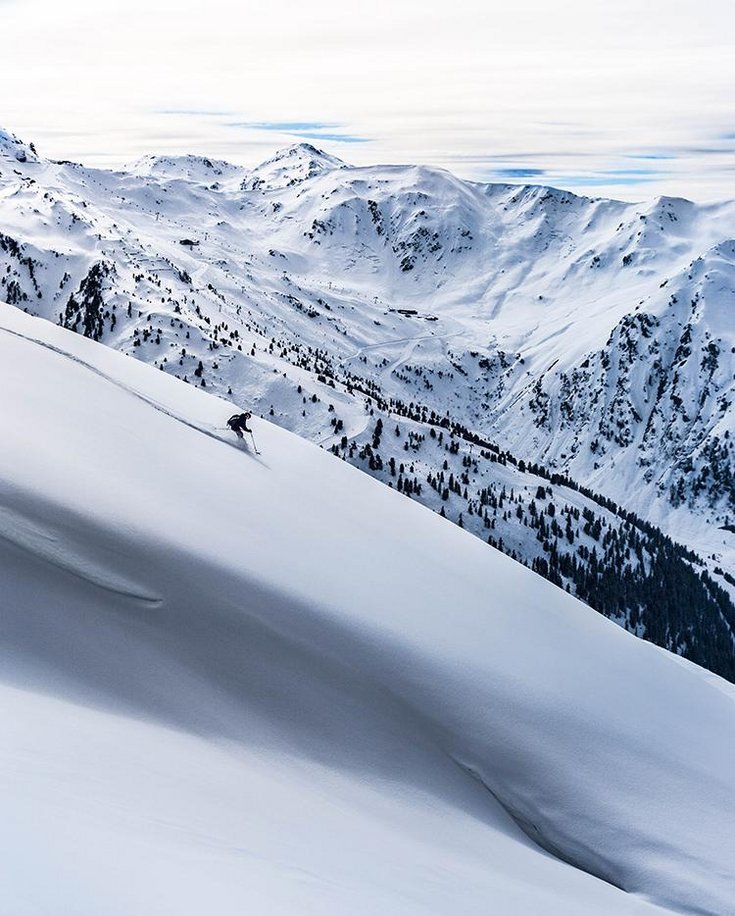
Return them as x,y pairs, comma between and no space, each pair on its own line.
304,150
291,165
13,148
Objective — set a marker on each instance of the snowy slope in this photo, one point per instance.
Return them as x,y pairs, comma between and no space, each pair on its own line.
267,683
591,337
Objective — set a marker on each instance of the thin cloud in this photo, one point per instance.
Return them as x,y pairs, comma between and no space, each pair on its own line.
194,112
476,100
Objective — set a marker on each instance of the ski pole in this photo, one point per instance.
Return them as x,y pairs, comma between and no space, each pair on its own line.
254,445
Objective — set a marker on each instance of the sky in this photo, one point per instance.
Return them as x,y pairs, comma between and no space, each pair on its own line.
604,97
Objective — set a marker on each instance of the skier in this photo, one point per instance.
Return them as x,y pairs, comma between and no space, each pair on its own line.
238,423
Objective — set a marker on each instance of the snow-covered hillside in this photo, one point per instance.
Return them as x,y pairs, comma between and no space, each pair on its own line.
239,683
589,338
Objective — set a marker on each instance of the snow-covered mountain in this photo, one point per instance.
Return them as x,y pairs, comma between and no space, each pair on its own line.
207,708
588,340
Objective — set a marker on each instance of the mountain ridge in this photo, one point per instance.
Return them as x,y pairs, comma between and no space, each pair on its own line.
585,336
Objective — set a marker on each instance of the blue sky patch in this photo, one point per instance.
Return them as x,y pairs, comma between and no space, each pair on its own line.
306,130
287,127
652,156
522,172
606,179
337,138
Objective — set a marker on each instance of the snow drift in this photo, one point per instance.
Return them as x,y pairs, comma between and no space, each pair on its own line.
268,683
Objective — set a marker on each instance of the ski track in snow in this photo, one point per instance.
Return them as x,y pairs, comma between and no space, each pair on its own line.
118,384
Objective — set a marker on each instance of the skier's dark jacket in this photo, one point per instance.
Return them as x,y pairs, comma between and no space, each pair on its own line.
239,422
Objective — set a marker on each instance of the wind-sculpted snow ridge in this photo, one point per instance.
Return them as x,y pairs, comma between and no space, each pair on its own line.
234,683
586,339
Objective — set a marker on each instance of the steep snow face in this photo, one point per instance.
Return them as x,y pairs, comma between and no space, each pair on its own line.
592,336
653,405
268,683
